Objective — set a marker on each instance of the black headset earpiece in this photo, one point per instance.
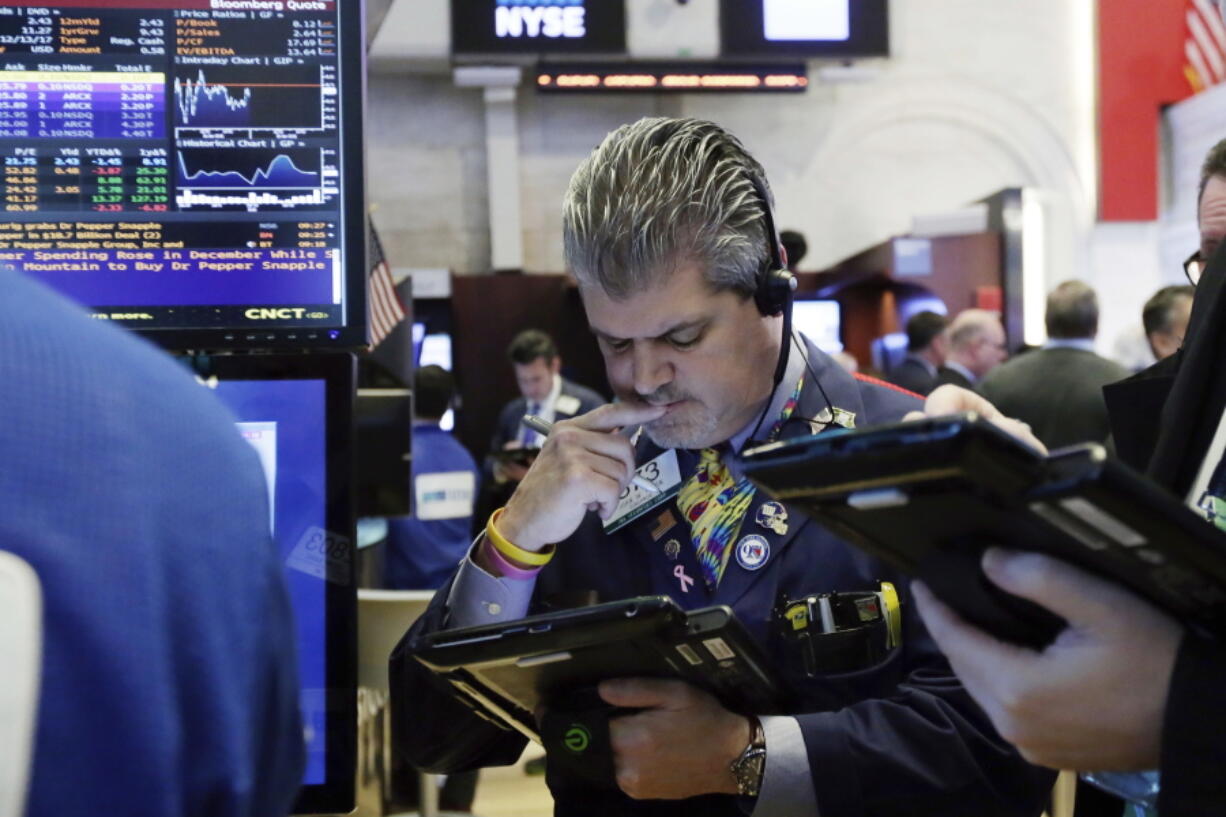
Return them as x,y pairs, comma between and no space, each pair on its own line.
773,296
775,285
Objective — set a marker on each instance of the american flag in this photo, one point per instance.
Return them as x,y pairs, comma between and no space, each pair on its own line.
383,305
1205,47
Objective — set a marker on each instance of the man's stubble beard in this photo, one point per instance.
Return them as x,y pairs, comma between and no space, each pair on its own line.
689,433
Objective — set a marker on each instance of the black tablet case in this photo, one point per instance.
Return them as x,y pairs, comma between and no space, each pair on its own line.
508,669
929,496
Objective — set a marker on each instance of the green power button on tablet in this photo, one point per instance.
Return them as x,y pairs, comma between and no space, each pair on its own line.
577,738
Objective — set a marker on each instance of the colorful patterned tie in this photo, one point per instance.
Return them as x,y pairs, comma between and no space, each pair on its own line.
715,504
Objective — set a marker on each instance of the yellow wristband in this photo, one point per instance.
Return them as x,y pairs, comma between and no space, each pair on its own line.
893,614
514,552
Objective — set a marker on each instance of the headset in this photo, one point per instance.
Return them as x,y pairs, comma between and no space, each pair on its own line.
775,284
773,292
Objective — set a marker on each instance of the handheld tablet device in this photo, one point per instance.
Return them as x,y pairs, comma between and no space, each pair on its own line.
930,496
507,670
519,456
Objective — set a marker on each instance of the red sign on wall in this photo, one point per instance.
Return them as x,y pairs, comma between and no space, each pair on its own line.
1141,62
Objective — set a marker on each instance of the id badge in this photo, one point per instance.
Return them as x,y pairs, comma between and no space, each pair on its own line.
662,472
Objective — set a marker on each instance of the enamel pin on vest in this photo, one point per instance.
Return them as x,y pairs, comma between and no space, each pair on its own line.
772,516
824,419
684,580
752,551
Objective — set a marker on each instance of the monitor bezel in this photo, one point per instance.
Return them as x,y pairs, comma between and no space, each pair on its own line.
738,19
351,21
336,795
529,48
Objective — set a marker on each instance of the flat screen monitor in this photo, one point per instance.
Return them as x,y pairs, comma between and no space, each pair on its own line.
383,420
888,351
190,169
297,412
435,351
805,28
490,27
821,322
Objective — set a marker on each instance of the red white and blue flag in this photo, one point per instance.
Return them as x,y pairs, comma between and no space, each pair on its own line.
1205,45
383,305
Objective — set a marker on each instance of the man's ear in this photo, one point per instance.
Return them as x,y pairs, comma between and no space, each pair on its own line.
555,365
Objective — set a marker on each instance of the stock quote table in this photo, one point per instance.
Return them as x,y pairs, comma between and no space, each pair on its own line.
176,161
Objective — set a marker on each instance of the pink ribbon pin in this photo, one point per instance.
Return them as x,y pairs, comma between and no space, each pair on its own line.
686,581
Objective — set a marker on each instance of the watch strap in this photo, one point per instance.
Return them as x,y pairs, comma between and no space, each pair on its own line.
750,765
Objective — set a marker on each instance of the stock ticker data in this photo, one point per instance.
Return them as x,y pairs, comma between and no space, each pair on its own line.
176,162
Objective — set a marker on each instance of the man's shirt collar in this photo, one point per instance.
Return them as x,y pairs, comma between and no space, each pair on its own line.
1084,344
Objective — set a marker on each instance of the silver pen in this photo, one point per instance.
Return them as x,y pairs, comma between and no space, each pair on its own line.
543,427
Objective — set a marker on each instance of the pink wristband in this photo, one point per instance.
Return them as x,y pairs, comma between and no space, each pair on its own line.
508,570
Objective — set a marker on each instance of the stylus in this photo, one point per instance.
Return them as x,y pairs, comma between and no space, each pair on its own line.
544,427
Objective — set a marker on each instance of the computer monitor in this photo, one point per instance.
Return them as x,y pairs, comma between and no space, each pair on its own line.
383,422
190,169
804,28
502,27
821,322
296,411
435,351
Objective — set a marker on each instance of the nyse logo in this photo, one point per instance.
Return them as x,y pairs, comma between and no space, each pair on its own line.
542,18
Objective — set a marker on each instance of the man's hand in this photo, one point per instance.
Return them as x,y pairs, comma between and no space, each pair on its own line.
681,745
582,467
949,399
1094,698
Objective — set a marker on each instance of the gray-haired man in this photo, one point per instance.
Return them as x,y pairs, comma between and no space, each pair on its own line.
666,230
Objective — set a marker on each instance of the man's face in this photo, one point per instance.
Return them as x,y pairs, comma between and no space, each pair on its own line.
709,357
535,378
1212,217
989,349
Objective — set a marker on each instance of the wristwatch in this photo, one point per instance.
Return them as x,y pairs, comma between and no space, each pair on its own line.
749,766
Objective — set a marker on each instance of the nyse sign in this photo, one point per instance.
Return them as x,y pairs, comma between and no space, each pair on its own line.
520,21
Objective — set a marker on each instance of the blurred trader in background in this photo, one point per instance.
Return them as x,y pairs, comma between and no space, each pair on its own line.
666,229
424,548
795,248
169,679
1165,317
1058,389
926,347
1125,687
542,392
976,345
